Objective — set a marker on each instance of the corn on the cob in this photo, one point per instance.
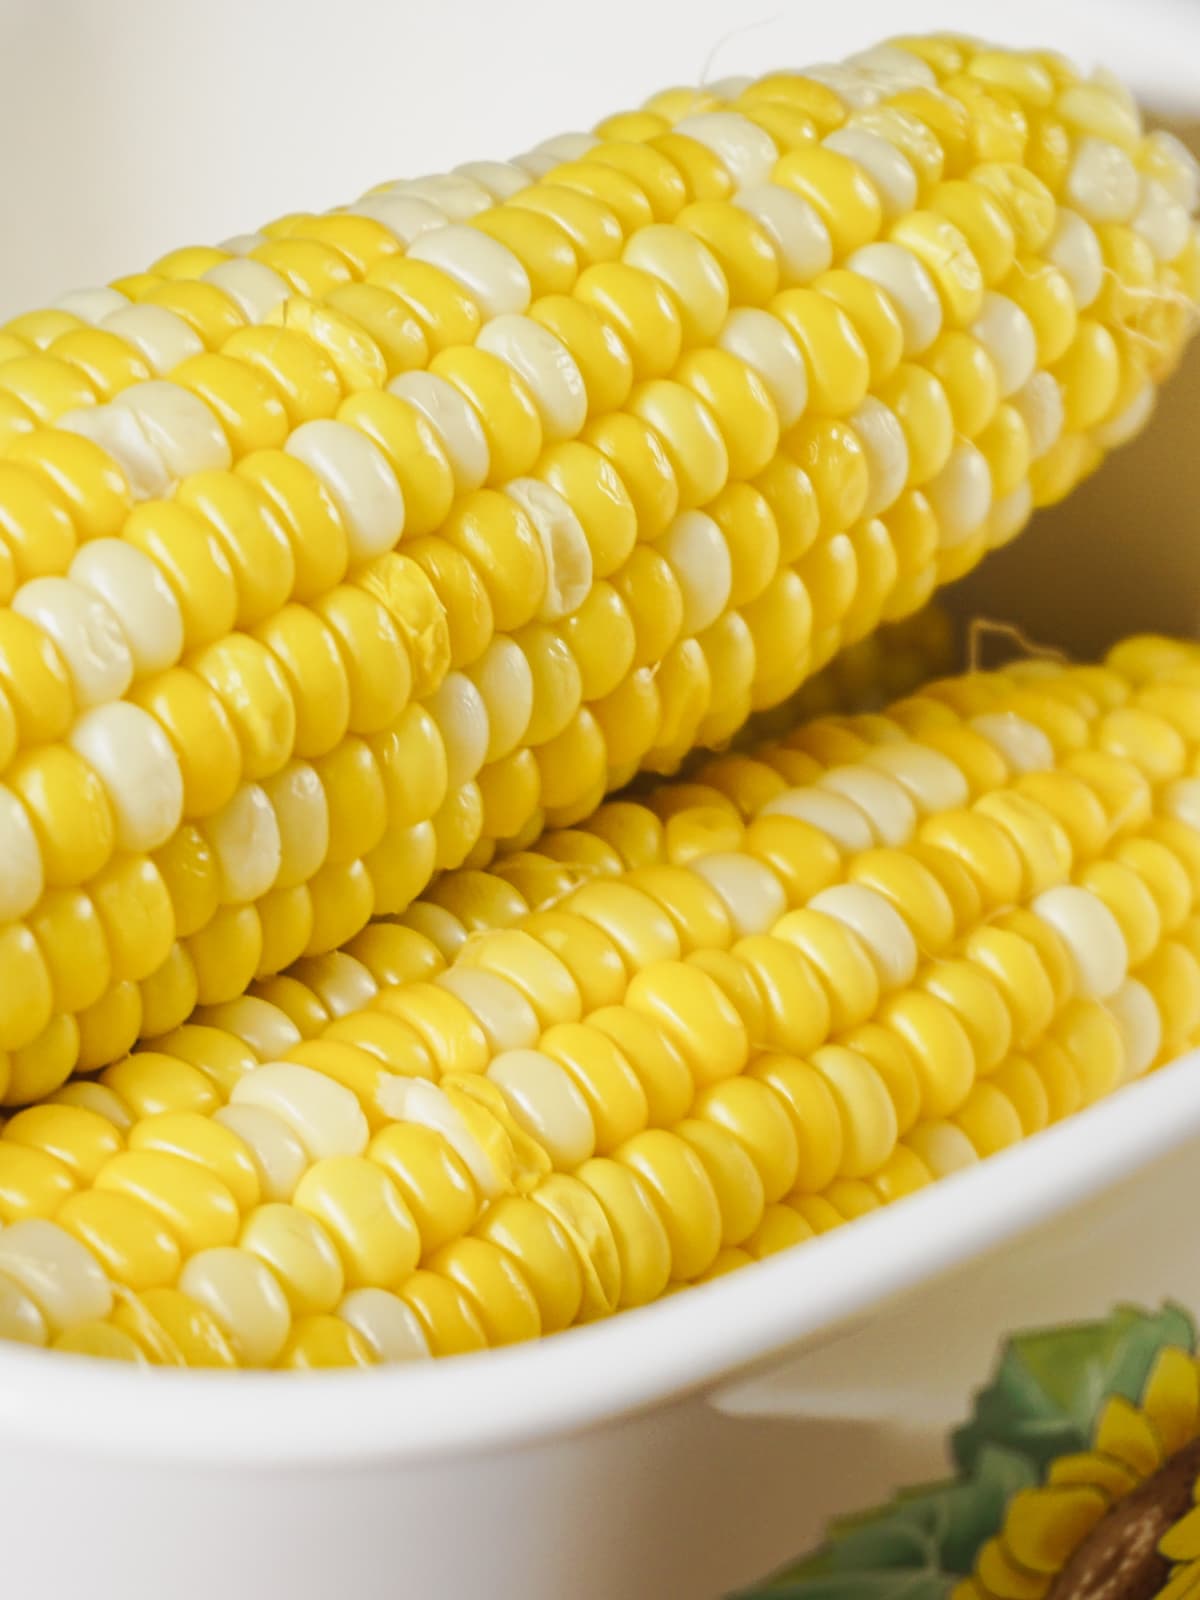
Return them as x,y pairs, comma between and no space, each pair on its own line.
338,554
686,1034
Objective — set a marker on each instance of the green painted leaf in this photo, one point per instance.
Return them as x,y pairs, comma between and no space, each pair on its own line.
895,1585
1049,1386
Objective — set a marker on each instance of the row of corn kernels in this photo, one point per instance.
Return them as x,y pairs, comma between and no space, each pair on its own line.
325,746
683,1034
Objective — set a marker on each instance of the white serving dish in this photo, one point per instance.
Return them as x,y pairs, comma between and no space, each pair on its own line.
642,1458
678,1451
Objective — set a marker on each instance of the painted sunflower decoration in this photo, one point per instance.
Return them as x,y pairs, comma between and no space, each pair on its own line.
1078,1479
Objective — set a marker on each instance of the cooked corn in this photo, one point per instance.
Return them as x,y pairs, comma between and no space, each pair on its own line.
345,551
690,1032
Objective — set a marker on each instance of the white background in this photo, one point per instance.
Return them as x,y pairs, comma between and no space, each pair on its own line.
130,126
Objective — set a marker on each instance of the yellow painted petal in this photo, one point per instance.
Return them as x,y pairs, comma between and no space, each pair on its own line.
1182,1542
1172,1399
1106,1473
1123,1431
1183,1585
1046,1526
968,1589
1004,1579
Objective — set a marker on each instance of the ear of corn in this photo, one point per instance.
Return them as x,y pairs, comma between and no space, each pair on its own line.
696,1029
354,548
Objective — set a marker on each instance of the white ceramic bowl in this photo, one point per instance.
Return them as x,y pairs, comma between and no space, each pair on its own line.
643,1457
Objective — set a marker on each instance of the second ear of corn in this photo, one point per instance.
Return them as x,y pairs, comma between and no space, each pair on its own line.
694,1030
356,548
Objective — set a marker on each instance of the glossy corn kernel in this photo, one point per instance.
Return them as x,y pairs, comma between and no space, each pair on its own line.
693,1030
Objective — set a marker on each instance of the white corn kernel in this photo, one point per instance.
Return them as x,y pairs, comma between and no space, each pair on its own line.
264,1028
546,1103
743,149
255,289
1181,800
566,146
1007,335
1039,403
340,982
456,196
729,88
695,549
893,61
501,179
1075,250
386,1323
241,244
324,1116
245,840
889,170
460,712
832,814
547,368
179,425
763,343
909,287
886,449
488,270
551,153
854,89
135,589
793,226
1022,743
279,1158
504,680
403,215
441,927
931,780
92,305
564,545
883,931
961,495
301,808
59,1275
1102,182
884,802
1133,1010
360,482
86,631
1127,424
1174,165
136,763
458,429
1162,221
1092,935
22,877
751,893
414,1100
97,1097
119,433
243,1297
162,339
943,1147
500,1009
21,1322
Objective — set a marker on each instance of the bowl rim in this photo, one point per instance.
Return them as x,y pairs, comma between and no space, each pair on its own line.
594,1375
